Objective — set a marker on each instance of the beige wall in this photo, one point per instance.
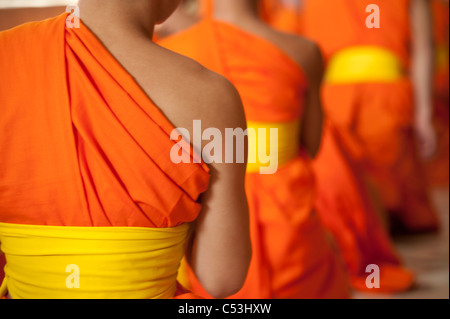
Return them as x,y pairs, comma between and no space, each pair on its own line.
35,3
10,18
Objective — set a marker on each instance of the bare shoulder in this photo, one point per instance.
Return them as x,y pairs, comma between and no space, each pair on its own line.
306,53
302,50
200,94
216,99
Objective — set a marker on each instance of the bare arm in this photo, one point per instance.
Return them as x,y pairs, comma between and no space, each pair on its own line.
422,75
312,127
221,250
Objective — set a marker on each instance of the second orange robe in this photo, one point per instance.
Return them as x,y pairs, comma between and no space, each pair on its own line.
292,258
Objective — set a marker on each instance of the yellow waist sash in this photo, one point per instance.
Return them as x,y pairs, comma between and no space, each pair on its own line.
272,145
364,64
91,262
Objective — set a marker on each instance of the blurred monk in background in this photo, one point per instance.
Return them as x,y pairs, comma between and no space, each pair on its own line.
344,204
378,94
278,77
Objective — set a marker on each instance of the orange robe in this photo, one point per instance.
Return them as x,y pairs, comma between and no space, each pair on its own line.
343,203
291,255
438,168
282,15
347,211
375,119
82,144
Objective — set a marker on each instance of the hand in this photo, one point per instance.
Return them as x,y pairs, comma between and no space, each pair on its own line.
427,138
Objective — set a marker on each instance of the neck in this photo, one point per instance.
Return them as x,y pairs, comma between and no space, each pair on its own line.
236,10
182,16
178,21
136,17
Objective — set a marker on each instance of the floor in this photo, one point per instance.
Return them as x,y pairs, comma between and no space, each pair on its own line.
428,257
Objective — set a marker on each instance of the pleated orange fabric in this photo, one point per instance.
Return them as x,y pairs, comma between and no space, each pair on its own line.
375,119
438,168
292,257
82,144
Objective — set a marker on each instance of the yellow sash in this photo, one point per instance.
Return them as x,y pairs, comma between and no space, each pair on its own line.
364,64
51,262
280,142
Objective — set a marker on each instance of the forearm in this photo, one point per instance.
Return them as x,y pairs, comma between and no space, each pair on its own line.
422,64
313,116
312,127
221,248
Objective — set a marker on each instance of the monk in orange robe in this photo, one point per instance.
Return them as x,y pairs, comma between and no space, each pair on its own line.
278,77
438,167
89,174
377,95
345,206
